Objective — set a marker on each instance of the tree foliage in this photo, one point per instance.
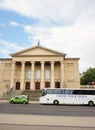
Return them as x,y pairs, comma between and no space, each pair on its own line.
88,77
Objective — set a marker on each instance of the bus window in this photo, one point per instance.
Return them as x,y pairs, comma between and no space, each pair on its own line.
90,92
78,92
62,91
57,91
49,91
67,91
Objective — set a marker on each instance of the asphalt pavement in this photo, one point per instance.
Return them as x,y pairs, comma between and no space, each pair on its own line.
49,122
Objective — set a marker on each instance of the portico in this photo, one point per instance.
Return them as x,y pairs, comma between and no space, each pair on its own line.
35,75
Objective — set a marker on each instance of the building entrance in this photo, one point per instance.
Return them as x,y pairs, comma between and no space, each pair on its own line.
17,86
47,84
57,84
37,85
27,86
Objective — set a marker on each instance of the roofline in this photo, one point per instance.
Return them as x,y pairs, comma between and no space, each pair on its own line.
5,58
38,47
72,58
39,56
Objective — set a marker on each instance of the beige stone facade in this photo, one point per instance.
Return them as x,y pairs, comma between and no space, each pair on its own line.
38,67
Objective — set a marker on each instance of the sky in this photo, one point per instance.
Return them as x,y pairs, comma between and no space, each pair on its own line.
67,26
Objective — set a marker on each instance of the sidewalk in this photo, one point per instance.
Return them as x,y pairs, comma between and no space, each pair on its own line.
6,101
47,120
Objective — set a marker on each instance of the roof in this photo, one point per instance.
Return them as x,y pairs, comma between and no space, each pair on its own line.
30,51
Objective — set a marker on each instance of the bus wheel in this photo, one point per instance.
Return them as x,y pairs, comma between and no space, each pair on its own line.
91,103
55,102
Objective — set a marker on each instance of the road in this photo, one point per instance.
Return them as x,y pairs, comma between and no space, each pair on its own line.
46,117
53,110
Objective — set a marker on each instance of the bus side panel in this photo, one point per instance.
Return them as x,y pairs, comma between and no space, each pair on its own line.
47,99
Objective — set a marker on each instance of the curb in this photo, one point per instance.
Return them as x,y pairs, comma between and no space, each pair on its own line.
30,102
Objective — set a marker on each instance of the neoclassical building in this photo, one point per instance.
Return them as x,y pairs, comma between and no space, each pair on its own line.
38,67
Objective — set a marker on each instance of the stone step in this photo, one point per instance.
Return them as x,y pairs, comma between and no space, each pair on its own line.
33,94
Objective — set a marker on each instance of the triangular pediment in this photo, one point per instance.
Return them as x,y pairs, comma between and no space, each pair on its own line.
37,51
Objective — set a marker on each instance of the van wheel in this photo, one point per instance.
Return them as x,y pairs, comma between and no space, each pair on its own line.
24,102
56,102
12,102
91,103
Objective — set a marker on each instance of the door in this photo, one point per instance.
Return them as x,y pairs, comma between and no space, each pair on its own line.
47,84
17,86
57,84
27,86
37,85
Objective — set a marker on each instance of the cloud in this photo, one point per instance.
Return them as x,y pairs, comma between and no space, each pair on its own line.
47,10
13,23
64,25
8,48
76,40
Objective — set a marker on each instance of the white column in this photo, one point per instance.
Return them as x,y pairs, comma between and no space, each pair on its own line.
32,76
22,75
52,75
12,75
62,74
42,75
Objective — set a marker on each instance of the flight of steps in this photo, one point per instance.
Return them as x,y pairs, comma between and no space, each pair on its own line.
11,94
33,94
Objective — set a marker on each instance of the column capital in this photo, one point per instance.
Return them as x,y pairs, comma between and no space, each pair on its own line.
32,62
52,62
62,62
22,62
42,62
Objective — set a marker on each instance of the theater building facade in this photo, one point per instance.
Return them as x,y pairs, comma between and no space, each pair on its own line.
38,67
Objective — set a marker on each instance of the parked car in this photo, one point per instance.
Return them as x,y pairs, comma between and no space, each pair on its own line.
24,99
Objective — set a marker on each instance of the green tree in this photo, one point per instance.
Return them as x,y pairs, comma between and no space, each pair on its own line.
88,77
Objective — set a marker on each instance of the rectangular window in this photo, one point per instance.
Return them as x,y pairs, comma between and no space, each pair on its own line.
47,74
28,75
38,74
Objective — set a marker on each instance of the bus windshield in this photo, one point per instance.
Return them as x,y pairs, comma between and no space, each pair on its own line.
43,92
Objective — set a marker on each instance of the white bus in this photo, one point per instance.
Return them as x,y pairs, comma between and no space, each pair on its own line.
67,96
